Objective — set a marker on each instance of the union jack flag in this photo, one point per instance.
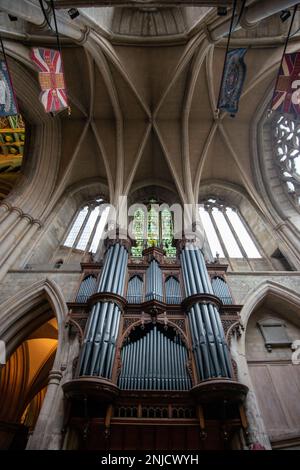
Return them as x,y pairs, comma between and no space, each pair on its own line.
286,98
51,78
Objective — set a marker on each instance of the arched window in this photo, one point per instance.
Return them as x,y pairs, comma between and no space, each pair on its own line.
157,230
87,228
287,152
226,231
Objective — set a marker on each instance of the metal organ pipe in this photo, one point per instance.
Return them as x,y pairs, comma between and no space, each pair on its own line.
209,344
204,273
154,362
196,271
98,350
105,270
154,282
220,289
135,290
172,291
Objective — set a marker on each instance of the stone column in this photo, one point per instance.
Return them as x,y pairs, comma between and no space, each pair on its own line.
257,432
9,221
16,242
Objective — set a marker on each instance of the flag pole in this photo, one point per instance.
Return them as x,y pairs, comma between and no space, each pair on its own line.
59,46
226,53
283,54
8,74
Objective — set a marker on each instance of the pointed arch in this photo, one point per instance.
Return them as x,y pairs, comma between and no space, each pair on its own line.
28,309
259,294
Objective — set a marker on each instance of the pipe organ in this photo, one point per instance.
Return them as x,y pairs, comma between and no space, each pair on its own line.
209,344
102,329
153,338
135,290
173,294
154,285
154,361
221,290
86,288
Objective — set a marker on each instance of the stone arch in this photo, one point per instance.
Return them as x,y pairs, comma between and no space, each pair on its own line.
18,312
35,187
164,192
62,217
259,294
281,210
257,429
23,314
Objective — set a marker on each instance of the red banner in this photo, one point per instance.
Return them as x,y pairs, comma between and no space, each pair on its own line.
286,97
51,78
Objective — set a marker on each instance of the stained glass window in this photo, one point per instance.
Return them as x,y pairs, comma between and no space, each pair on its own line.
138,230
159,230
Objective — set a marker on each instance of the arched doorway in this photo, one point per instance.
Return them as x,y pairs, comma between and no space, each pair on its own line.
23,384
32,330
272,329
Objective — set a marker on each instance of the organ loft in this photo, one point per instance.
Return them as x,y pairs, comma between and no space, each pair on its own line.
149,225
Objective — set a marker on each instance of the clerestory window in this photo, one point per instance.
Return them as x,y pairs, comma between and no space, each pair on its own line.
226,232
87,228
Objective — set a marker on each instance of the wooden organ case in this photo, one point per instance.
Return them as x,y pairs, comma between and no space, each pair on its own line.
154,370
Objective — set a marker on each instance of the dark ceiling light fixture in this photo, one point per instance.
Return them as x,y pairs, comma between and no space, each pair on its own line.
73,13
222,11
284,15
12,17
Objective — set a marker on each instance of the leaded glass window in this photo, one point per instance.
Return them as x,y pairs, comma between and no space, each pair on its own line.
87,228
287,152
226,232
157,230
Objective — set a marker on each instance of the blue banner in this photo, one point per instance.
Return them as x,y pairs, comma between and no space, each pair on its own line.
8,106
233,80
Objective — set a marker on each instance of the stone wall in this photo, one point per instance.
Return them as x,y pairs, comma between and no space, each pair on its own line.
242,283
18,280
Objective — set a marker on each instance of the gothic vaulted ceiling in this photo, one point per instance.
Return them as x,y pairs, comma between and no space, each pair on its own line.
143,105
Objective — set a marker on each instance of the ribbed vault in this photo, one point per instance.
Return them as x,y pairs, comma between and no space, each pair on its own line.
148,113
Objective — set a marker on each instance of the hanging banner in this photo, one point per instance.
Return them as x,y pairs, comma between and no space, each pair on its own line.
51,78
8,105
233,80
286,98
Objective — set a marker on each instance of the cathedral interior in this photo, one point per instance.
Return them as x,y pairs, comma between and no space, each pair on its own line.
148,338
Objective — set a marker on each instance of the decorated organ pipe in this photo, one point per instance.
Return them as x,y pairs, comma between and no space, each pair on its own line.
221,289
154,284
172,288
208,339
99,344
86,289
135,290
153,360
